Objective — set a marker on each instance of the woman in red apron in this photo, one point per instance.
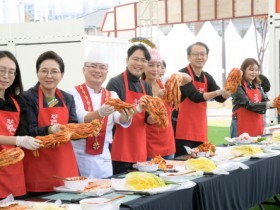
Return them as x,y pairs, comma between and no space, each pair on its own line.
12,123
249,102
49,107
160,141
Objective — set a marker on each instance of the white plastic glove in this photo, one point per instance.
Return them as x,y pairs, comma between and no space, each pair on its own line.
28,142
220,92
141,104
269,104
126,114
55,128
161,93
105,110
138,109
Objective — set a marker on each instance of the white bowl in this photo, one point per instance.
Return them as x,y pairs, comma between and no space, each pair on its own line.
173,177
147,167
243,141
99,204
200,154
76,182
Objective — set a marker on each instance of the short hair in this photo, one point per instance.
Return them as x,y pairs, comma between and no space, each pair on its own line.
16,88
189,49
142,47
249,62
50,55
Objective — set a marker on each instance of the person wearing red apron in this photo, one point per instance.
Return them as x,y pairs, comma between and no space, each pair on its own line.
249,102
13,122
188,125
11,177
129,145
246,117
58,161
190,121
160,141
125,141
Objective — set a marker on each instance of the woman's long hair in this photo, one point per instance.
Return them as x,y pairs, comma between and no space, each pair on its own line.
16,88
250,62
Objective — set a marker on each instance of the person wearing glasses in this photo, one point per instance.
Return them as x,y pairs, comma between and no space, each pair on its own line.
129,145
93,154
13,125
190,121
48,107
250,102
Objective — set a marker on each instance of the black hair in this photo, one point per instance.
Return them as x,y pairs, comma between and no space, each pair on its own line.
265,83
164,63
189,49
142,47
16,88
50,55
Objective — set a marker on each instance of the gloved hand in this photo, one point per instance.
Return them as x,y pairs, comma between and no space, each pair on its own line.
220,92
28,142
141,105
269,104
126,115
161,93
54,128
226,94
105,110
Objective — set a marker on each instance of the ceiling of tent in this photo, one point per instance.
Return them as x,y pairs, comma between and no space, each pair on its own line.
116,22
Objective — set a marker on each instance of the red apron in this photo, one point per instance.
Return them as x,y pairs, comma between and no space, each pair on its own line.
248,121
129,144
192,117
60,161
160,141
11,177
94,145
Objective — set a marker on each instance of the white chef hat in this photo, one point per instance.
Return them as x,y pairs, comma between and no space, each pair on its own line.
155,56
98,53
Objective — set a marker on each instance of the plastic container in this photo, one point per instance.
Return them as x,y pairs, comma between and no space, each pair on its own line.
99,204
146,167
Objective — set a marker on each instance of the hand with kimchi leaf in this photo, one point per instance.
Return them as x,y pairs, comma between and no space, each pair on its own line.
276,103
233,80
126,114
28,142
156,109
105,110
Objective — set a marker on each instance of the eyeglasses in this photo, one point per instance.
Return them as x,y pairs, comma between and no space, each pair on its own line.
136,60
94,66
10,72
53,73
197,54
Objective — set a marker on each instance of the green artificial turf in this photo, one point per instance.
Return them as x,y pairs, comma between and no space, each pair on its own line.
216,134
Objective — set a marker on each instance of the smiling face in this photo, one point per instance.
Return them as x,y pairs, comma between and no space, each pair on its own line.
152,70
95,73
198,56
7,74
251,72
49,75
137,63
